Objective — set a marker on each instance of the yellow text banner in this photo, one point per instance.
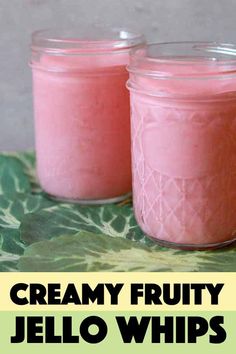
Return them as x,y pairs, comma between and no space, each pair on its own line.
140,286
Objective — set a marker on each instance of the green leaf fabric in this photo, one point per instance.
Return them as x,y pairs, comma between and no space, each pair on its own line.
12,211
90,252
8,262
38,234
12,177
27,162
19,195
68,219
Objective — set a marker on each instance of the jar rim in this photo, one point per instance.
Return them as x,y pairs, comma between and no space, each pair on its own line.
90,40
189,58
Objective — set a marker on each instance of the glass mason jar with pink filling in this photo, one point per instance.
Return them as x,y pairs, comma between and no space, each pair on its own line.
82,113
183,104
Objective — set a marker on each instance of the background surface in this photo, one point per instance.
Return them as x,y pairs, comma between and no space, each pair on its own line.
160,20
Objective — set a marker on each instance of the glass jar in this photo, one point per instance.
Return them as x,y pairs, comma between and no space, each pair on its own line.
82,114
183,104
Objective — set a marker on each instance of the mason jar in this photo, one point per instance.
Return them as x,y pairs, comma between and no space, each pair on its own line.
82,114
183,104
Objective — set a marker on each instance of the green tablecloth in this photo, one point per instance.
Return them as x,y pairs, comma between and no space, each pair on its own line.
38,234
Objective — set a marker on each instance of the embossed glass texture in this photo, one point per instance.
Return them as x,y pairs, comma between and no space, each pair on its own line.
183,104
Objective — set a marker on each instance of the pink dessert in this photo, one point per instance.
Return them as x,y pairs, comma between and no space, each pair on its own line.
184,147
82,119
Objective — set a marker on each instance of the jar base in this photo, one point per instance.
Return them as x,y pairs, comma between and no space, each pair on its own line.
90,201
193,247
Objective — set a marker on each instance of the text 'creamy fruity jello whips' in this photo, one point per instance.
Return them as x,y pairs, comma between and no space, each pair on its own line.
82,114
183,104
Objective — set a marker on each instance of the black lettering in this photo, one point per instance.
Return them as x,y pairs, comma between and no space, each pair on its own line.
37,294
198,293
136,292
167,329
34,327
180,329
114,291
93,338
54,294
176,296
15,296
152,294
92,295
186,294
133,329
67,331
197,327
20,330
50,336
71,295
214,291
215,324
